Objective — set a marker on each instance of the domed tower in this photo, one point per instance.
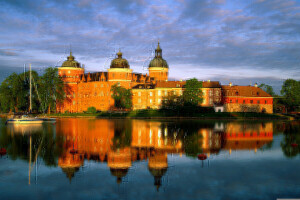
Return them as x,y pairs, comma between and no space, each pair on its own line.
119,71
70,70
158,67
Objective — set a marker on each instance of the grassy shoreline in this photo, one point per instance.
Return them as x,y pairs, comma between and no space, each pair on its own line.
159,114
156,114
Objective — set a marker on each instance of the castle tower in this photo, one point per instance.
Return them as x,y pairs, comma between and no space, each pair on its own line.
120,72
70,71
158,67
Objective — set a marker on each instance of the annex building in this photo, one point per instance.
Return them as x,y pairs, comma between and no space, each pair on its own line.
84,90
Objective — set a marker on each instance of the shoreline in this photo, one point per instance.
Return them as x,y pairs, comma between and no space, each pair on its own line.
158,115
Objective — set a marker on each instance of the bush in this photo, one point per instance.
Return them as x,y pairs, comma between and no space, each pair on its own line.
91,110
66,112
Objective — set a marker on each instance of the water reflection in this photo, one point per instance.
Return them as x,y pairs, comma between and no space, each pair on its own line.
120,143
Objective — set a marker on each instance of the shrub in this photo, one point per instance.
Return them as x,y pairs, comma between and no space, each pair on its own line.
91,110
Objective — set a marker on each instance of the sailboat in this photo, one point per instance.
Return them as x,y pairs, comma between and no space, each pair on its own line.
25,119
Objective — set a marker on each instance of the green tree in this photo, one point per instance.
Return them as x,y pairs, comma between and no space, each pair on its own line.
122,97
14,92
172,102
291,93
91,110
51,89
192,94
268,89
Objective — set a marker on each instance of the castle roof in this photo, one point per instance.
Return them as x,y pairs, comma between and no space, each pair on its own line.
245,91
158,61
71,62
211,84
119,62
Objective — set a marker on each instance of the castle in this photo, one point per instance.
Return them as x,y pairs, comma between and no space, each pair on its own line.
84,90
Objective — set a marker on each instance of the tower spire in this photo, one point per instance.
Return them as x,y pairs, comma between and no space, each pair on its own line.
70,50
158,51
71,57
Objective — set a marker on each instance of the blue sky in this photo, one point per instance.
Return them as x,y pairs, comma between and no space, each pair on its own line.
239,41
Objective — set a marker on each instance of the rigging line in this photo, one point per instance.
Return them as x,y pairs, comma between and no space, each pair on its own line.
35,86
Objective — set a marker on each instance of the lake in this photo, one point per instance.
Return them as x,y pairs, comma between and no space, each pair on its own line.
80,158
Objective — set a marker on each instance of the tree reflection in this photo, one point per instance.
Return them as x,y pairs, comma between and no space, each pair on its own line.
291,143
17,144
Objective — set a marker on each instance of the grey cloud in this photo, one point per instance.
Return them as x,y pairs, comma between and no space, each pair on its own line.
259,35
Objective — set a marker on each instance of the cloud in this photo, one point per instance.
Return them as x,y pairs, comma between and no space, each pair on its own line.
241,36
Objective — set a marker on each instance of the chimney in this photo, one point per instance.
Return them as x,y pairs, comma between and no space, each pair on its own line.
230,84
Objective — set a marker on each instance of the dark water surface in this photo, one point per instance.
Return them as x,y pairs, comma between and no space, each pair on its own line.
140,159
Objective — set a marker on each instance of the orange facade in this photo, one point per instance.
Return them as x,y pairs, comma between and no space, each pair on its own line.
84,90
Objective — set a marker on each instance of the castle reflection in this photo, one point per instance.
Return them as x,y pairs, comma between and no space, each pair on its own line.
119,143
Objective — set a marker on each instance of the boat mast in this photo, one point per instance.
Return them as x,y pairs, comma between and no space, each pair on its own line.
30,103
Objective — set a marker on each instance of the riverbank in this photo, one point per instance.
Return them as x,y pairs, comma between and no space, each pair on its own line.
158,114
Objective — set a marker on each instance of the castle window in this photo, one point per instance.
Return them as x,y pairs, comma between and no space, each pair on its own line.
150,94
159,92
251,101
166,92
139,94
266,102
139,101
237,101
237,93
258,101
159,100
150,100
244,101
230,101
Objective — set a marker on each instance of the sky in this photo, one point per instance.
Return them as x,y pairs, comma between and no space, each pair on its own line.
243,42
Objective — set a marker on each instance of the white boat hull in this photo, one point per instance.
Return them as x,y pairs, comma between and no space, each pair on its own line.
24,121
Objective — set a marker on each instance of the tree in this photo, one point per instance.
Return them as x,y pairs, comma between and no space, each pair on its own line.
291,93
14,92
51,89
268,89
172,102
193,95
122,97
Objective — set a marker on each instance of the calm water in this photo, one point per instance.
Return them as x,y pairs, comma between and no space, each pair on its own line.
139,159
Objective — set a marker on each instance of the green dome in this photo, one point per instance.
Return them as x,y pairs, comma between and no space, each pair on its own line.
158,61
71,62
119,62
